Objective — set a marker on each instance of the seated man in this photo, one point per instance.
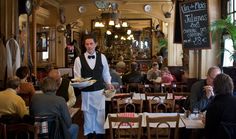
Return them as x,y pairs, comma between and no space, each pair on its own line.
10,102
50,104
65,89
133,76
202,91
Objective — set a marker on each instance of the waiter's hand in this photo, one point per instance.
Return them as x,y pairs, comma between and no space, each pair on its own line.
110,87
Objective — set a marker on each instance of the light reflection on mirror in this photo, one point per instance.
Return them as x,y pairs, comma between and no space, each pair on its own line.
134,40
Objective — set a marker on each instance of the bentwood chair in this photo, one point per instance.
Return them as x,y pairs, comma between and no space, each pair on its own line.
161,127
125,127
20,130
181,99
130,105
3,132
121,96
162,105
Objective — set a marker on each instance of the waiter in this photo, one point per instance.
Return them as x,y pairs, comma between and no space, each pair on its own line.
93,64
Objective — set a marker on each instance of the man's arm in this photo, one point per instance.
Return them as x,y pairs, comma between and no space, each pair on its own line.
21,108
106,73
198,98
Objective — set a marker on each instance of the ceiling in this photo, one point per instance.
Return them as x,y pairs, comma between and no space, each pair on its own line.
127,8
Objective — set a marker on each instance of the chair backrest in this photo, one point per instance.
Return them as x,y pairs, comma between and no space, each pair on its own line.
130,105
132,87
228,130
125,127
123,88
145,88
22,130
162,105
155,95
3,132
158,123
51,126
180,100
119,97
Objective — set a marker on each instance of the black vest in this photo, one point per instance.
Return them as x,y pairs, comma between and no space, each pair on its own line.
96,73
63,89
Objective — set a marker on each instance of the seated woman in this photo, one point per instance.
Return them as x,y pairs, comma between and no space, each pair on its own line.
26,88
49,103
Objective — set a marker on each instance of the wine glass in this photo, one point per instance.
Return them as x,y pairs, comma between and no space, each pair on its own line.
195,111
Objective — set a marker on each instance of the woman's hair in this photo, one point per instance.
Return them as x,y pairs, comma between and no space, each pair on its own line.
22,72
49,85
223,84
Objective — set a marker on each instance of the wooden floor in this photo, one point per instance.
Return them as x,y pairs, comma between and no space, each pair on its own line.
78,119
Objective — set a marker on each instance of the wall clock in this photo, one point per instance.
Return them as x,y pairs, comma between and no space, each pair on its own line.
28,6
147,8
81,9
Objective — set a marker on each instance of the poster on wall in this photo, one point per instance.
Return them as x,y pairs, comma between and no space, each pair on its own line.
194,24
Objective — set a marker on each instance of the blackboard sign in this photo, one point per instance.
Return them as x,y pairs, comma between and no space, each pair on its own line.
194,24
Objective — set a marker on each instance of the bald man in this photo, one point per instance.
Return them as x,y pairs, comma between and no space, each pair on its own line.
65,90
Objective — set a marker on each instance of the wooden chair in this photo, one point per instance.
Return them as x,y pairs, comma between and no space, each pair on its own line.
155,95
162,105
145,88
118,131
180,99
20,129
130,105
132,87
123,89
3,132
119,97
160,123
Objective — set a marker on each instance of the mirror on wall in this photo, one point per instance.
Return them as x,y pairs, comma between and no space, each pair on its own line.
132,38
42,41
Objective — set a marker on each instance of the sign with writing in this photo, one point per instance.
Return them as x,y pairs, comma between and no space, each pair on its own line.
194,24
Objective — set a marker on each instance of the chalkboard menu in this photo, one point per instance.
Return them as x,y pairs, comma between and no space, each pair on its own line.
194,24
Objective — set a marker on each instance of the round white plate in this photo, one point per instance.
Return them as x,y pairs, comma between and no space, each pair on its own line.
83,84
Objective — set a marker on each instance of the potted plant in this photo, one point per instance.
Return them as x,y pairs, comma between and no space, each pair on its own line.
222,27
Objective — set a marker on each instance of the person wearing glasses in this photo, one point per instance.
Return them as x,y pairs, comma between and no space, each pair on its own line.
202,91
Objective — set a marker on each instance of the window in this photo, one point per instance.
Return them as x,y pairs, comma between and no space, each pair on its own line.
228,43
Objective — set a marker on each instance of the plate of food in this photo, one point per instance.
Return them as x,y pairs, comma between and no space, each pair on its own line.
83,84
109,93
80,79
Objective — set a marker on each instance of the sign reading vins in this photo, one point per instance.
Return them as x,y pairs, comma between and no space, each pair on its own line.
194,24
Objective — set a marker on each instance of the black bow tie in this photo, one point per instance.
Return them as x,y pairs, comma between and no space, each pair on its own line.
92,56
